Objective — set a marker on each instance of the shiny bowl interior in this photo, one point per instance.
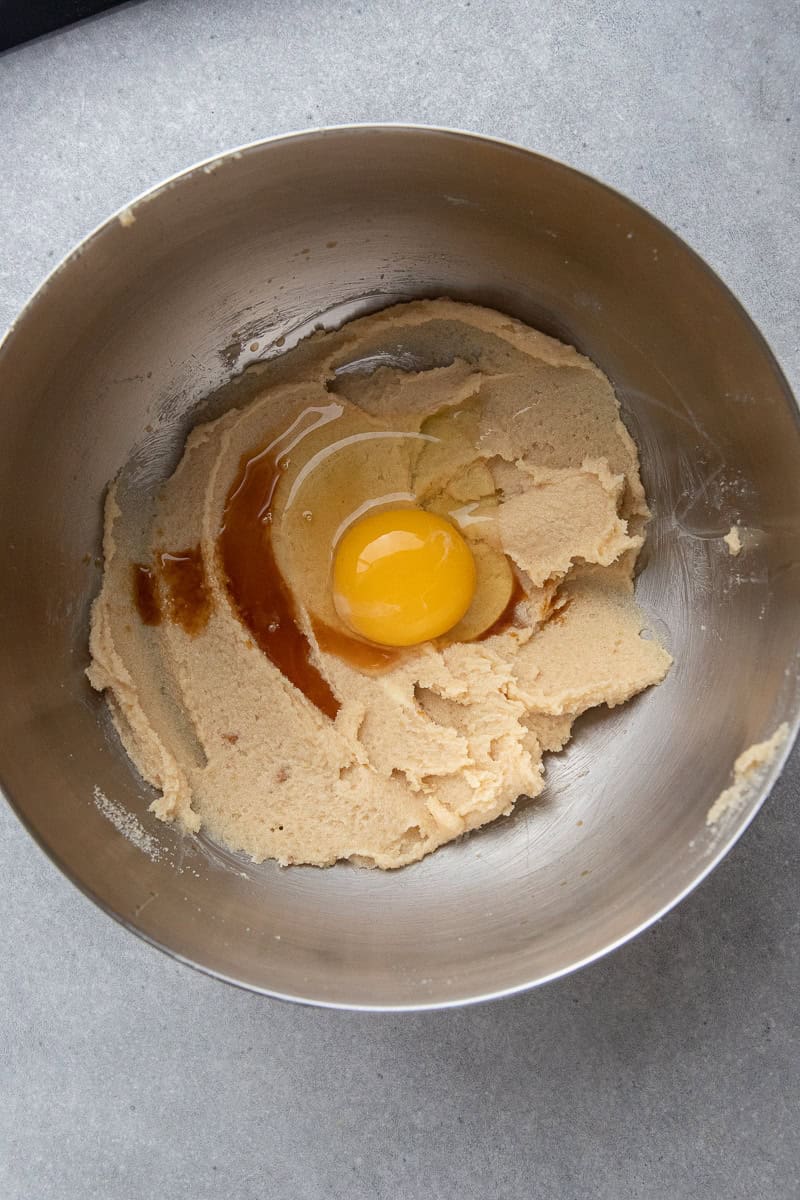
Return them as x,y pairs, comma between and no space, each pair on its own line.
116,355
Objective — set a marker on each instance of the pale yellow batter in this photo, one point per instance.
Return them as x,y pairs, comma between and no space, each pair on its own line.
514,437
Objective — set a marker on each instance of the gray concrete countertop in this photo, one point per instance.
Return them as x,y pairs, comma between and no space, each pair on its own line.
669,1070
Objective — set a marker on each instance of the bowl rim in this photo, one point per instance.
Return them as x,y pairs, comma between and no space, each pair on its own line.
758,794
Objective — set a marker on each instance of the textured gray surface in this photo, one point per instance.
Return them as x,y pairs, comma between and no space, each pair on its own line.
671,1069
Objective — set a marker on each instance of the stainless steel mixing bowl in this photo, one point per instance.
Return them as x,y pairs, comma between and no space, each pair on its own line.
114,356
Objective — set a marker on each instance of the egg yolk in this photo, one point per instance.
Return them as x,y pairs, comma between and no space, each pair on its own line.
402,576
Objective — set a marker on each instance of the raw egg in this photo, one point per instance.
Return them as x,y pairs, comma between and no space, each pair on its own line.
402,576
